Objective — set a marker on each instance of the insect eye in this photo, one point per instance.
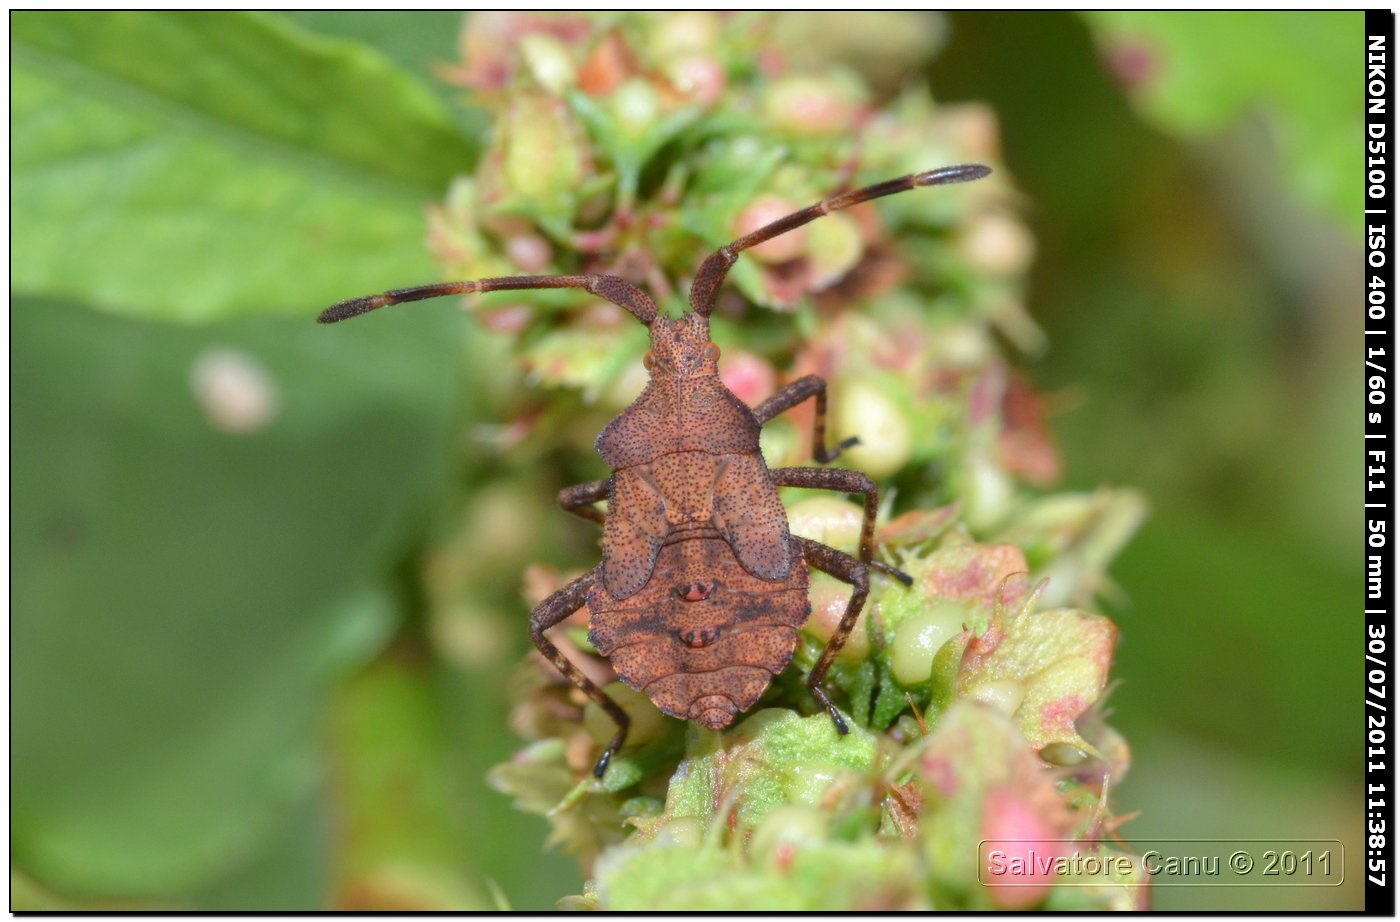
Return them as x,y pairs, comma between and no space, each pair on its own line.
712,352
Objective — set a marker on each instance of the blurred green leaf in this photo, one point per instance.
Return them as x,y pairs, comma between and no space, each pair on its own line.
289,868
1269,640
420,43
199,165
424,43
1194,72
184,594
401,847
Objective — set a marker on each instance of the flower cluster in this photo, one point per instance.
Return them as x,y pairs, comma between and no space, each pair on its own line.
635,145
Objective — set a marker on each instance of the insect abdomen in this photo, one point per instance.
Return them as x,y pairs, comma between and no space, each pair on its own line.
704,637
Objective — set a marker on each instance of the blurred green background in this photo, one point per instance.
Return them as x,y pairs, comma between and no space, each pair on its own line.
224,690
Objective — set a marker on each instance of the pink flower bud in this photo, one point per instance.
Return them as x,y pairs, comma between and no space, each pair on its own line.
699,77
1019,855
752,379
765,210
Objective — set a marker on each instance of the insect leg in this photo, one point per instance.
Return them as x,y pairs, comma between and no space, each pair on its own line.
789,397
608,287
826,478
579,499
849,570
550,612
716,266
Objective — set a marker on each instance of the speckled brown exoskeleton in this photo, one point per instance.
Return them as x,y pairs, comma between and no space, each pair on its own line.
702,588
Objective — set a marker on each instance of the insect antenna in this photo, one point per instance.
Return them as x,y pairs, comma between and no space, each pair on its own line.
716,266
608,287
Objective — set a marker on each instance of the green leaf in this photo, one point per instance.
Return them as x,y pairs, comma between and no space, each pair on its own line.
762,762
1199,75
191,166
401,846
424,43
1047,667
421,42
183,593
822,877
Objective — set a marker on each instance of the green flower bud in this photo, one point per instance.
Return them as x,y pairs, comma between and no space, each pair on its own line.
831,520
1005,695
990,493
886,441
1064,754
549,62
918,639
781,444
543,162
676,33
833,248
635,107
997,244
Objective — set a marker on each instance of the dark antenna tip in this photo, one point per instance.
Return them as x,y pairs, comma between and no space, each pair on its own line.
965,172
351,308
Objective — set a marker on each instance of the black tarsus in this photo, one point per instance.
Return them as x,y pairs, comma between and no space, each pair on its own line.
546,615
807,386
849,570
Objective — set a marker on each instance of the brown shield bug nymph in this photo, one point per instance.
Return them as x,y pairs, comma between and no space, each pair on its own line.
702,588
